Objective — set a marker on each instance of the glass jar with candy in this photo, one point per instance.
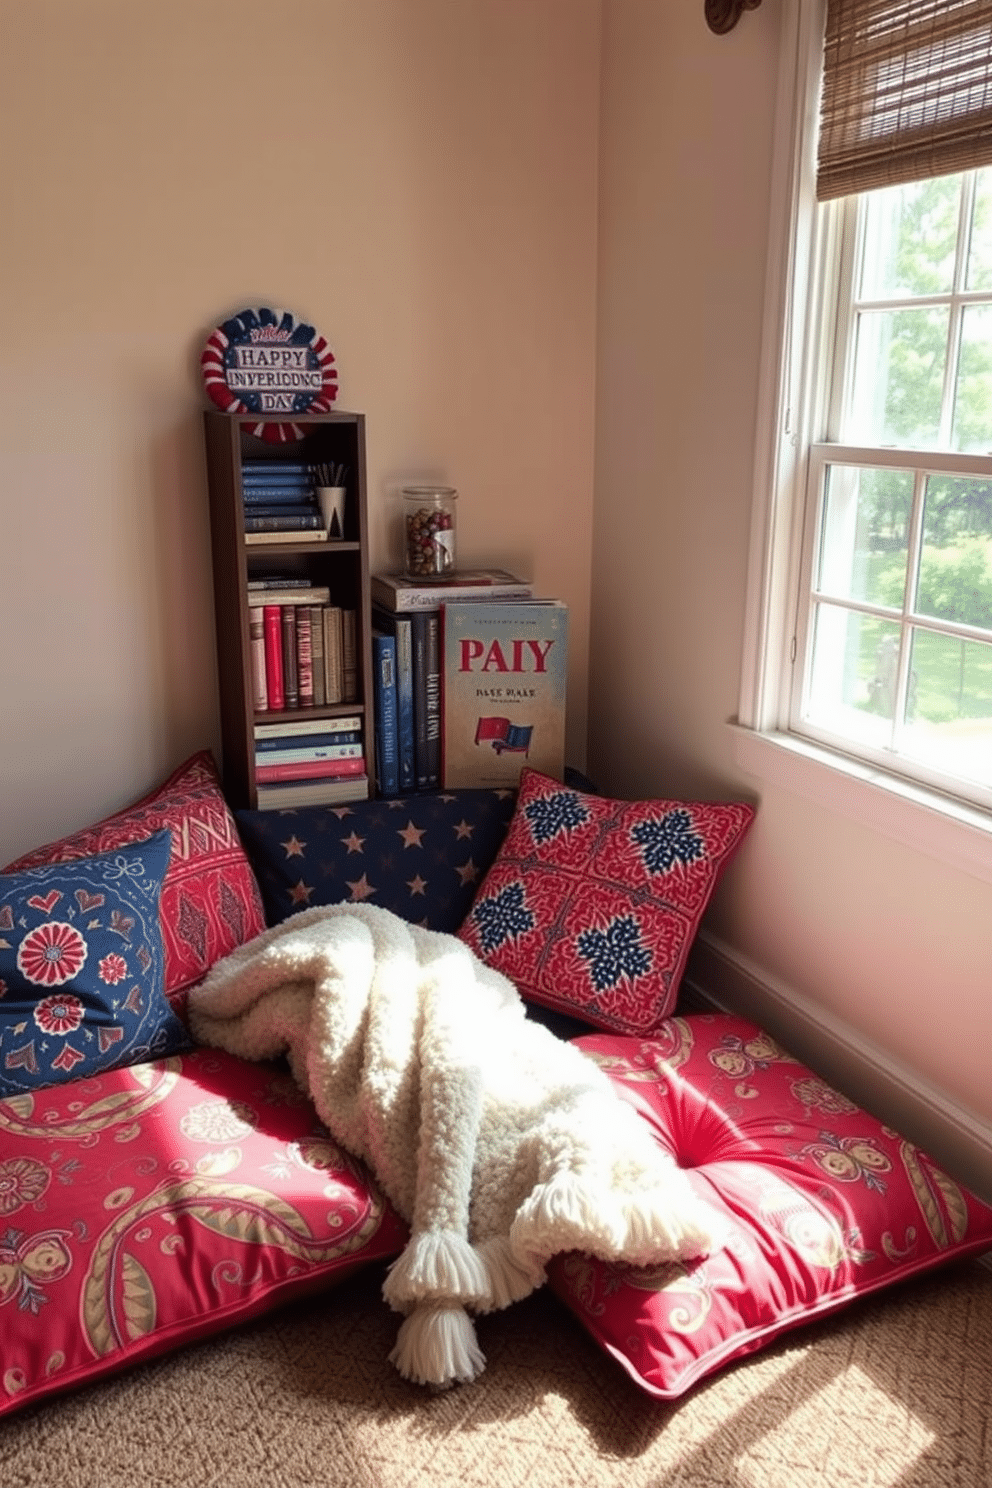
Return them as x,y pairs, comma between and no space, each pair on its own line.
429,531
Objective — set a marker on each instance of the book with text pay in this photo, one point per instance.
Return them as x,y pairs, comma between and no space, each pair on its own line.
504,676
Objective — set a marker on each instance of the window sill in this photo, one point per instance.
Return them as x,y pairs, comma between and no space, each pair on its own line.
954,833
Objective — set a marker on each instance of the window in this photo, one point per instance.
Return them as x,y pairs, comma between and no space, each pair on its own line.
872,558
894,623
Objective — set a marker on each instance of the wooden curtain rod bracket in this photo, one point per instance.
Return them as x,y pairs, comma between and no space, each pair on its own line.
722,15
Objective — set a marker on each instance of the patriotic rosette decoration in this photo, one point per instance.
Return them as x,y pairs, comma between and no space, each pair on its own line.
267,362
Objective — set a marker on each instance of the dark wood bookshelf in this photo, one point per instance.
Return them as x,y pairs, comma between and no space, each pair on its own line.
341,565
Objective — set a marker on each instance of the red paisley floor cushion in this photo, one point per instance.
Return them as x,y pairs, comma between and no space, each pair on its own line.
163,1201
822,1203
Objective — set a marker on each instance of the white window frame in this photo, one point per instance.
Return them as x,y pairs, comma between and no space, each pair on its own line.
922,816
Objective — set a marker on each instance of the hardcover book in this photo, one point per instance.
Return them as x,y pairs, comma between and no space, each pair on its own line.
264,470
333,645
266,522
304,656
290,669
272,625
349,656
311,595
400,628
297,727
427,697
394,591
274,496
256,633
253,486
317,654
387,768
324,769
286,795
504,674
280,581
294,535
277,752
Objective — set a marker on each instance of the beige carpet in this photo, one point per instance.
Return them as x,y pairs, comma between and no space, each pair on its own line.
896,1393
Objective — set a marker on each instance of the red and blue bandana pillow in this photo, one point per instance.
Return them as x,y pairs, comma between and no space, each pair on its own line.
592,904
82,967
210,902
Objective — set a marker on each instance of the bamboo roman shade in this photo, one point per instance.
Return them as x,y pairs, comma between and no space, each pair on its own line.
907,92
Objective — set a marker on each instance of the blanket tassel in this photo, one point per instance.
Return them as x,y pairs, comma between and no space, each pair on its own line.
510,1277
436,1345
436,1262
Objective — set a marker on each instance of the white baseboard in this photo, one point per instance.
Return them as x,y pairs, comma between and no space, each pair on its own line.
958,1138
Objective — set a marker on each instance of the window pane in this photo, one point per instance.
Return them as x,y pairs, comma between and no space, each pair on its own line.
955,577
853,677
949,706
865,534
980,256
898,377
973,390
911,239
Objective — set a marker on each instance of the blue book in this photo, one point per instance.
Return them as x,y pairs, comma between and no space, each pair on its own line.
272,471
292,484
384,699
276,495
275,470
400,627
260,485
282,509
308,741
311,521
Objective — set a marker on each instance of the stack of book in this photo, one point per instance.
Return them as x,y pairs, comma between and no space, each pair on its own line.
443,724
302,763
280,501
303,647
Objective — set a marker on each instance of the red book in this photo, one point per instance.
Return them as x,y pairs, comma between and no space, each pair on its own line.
273,656
311,770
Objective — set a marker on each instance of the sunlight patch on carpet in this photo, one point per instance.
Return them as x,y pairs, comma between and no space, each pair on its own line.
827,1433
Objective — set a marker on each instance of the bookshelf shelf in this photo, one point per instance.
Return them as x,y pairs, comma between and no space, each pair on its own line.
342,566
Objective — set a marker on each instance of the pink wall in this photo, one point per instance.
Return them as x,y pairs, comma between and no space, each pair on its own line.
890,942
419,179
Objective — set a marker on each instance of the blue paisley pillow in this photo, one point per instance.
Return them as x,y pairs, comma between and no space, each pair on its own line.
81,967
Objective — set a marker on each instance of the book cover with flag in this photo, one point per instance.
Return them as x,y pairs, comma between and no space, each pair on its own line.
503,690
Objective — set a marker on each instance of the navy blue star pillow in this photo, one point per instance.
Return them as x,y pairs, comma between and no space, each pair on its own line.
82,967
592,905
422,856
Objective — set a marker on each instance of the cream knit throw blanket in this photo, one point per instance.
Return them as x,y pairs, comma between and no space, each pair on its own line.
498,1143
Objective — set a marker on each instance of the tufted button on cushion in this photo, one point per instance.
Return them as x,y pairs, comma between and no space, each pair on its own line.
822,1203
